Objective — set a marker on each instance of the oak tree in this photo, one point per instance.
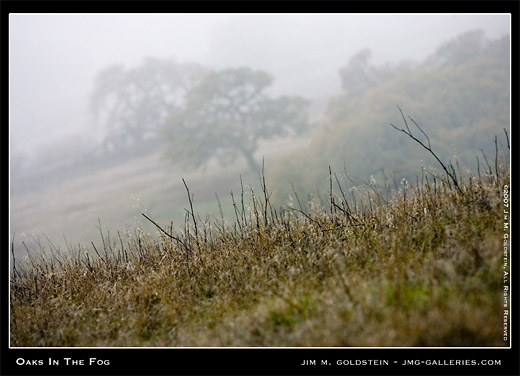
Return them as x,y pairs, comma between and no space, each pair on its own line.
226,114
132,103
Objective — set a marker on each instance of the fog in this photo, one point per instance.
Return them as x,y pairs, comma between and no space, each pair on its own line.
55,59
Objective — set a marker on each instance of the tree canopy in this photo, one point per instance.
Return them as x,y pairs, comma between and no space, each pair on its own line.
460,97
226,114
133,103
461,49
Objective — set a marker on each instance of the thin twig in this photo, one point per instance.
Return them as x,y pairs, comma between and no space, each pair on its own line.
163,231
192,212
507,138
104,261
409,134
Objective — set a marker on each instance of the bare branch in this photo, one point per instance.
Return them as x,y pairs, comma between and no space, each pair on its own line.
405,122
425,135
192,212
161,229
428,147
507,138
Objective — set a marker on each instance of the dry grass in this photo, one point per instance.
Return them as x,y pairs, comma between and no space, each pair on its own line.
420,265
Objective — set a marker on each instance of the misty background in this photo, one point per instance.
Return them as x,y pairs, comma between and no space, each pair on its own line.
63,178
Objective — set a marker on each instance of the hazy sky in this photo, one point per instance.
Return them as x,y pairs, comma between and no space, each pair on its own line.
53,59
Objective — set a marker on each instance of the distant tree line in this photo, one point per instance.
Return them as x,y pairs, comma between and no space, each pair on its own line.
460,95
195,114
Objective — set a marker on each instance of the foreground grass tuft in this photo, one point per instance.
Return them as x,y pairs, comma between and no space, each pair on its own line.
420,265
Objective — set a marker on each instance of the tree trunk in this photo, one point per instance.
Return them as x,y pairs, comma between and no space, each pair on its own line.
255,167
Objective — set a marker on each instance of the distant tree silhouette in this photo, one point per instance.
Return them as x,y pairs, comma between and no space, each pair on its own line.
225,116
133,103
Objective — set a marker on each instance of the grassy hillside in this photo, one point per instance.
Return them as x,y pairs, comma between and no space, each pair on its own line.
459,102
49,200
417,265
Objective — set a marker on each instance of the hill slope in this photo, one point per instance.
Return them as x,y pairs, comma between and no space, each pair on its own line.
418,266
461,102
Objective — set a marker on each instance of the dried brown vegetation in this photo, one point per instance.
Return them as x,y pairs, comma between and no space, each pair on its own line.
413,265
